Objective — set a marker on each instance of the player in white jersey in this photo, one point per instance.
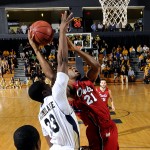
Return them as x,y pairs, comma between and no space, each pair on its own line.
57,119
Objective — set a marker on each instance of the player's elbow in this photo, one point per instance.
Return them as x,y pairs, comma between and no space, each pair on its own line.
97,67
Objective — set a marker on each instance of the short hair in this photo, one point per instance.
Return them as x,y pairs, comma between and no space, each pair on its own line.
26,138
102,80
35,91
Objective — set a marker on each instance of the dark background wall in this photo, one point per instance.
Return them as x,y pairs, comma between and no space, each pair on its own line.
76,8
75,5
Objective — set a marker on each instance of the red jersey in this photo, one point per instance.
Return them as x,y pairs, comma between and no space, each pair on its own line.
101,130
87,98
104,95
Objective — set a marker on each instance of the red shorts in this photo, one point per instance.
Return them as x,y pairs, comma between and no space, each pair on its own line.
110,138
101,138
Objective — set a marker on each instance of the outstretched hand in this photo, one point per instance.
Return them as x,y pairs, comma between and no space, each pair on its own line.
65,21
31,41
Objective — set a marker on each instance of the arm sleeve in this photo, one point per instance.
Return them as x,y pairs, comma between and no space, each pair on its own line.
59,92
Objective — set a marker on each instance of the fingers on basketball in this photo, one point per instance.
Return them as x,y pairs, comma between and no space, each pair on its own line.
41,32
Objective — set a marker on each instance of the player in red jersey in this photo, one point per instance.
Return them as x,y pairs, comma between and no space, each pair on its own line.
105,93
101,131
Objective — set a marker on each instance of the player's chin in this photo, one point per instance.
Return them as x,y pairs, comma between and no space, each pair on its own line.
78,75
102,86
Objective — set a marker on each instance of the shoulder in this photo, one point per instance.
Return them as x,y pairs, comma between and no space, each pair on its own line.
97,89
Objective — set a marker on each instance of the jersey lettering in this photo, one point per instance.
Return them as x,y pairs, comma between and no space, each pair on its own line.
103,99
87,94
81,91
51,122
90,99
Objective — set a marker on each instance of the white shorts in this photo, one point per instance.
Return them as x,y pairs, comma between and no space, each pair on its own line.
59,147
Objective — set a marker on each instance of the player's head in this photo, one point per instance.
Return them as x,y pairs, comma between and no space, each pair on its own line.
103,83
27,138
39,90
73,73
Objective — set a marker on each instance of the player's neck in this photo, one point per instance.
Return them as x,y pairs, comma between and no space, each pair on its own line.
102,89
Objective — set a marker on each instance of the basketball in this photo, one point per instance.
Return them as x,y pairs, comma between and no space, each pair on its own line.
43,32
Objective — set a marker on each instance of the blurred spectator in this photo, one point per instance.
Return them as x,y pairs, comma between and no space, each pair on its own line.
148,61
36,78
1,70
3,83
5,53
21,51
103,65
112,27
104,48
100,26
106,71
18,83
136,26
125,51
105,59
118,55
147,74
93,27
131,75
124,74
116,74
132,52
145,48
119,49
29,82
52,48
51,57
24,28
111,67
128,27
139,49
140,24
11,83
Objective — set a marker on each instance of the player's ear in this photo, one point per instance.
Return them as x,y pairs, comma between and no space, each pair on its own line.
46,93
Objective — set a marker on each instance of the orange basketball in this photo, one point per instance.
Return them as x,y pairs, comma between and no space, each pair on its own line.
43,32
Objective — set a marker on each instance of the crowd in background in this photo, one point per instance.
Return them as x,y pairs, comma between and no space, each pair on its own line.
99,26
119,60
115,63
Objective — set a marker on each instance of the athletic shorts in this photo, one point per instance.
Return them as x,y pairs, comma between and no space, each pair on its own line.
59,147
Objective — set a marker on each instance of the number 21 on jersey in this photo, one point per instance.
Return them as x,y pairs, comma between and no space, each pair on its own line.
90,98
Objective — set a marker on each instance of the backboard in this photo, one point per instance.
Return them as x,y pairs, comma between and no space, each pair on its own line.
80,39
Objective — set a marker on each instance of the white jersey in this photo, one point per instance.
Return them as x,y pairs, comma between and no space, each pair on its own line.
58,119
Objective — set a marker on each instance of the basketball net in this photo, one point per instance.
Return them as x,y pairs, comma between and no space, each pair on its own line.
114,12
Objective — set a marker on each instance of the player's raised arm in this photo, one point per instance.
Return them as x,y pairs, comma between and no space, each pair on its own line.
62,78
95,66
62,56
46,67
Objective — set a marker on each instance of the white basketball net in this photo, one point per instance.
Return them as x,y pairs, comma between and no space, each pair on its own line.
114,11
